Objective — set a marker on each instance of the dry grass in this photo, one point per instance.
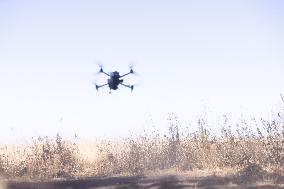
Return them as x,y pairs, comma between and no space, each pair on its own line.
249,154
44,158
2,184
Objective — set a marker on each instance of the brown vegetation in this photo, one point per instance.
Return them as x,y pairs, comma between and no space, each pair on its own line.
252,154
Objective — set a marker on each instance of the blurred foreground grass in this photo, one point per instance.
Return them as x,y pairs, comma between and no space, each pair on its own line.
250,152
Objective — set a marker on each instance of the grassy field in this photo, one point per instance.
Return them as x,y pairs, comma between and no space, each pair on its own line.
251,153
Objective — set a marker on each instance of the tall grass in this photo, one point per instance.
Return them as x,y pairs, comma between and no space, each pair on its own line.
44,158
261,148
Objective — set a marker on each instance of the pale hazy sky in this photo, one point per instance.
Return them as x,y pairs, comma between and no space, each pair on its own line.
194,58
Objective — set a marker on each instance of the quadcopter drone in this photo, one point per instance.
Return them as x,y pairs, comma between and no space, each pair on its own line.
115,79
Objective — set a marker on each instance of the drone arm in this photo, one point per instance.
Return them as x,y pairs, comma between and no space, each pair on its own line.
102,71
130,72
99,86
105,73
129,86
126,74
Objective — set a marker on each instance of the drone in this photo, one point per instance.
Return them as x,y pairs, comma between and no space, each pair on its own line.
115,79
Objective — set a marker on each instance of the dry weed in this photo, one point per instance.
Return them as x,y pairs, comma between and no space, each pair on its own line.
250,151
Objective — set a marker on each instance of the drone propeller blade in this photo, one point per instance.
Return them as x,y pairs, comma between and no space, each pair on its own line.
97,86
100,65
133,72
131,65
101,68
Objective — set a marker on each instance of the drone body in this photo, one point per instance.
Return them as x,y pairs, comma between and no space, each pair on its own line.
115,80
